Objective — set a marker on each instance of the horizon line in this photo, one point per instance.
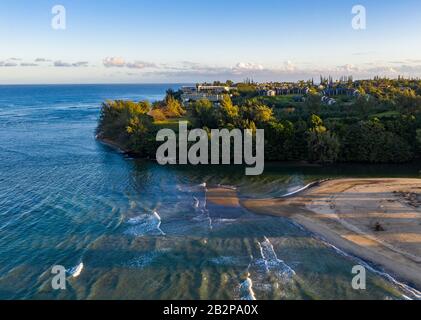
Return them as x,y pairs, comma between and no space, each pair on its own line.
195,82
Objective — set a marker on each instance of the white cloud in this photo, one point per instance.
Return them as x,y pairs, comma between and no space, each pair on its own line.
60,63
289,66
348,68
8,64
28,64
42,60
80,64
248,66
114,62
140,65
119,62
188,71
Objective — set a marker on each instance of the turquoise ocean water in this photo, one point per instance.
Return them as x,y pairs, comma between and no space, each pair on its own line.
143,231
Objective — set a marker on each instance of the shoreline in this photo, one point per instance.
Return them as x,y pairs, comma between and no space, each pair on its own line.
346,212
321,207
112,144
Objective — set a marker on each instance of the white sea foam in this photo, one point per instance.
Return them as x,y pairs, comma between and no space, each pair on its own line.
76,270
196,202
137,220
414,293
271,265
246,289
225,220
145,224
158,218
201,207
271,262
190,188
292,192
227,187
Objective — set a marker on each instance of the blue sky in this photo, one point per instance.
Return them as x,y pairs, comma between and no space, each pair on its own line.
187,41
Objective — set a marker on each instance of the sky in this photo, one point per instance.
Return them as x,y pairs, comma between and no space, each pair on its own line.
186,41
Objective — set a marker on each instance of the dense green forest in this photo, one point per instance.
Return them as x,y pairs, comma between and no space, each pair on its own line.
382,124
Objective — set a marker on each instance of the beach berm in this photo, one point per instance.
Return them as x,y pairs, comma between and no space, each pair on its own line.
377,220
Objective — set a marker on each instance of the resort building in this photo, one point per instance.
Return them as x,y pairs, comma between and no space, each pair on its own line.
214,94
329,101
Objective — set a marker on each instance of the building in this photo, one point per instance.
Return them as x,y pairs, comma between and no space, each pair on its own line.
290,89
214,94
328,101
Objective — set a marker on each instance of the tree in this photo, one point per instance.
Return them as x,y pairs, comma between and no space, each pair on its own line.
262,114
127,124
204,114
247,90
276,134
157,114
323,146
228,112
316,124
173,108
409,102
363,106
418,138
369,141
115,116
144,106
313,103
257,112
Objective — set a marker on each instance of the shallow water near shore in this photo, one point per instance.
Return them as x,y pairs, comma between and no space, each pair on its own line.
143,231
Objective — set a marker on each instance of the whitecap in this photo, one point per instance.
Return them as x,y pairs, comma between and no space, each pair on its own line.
246,289
414,293
196,202
158,218
227,187
76,270
270,261
145,224
293,191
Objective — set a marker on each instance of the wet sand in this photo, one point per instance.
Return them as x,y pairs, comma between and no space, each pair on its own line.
378,220
223,197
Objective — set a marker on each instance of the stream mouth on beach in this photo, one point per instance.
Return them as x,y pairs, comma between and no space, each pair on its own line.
132,229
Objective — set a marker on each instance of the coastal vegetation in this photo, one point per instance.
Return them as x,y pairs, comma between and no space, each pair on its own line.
368,121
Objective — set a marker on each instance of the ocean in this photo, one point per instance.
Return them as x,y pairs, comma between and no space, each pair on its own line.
126,228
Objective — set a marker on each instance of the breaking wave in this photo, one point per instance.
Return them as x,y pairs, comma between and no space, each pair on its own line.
145,224
201,207
76,270
246,290
270,261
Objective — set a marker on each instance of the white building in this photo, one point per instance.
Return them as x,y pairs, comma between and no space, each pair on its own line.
212,93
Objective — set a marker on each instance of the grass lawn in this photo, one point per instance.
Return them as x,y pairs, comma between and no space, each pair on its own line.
171,123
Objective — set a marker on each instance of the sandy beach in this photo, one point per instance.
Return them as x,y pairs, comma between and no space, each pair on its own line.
377,220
